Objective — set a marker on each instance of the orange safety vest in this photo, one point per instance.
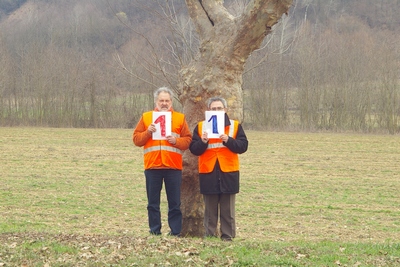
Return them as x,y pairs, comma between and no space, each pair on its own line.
159,153
228,161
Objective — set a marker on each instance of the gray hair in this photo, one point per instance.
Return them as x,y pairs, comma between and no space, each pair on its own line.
164,90
215,99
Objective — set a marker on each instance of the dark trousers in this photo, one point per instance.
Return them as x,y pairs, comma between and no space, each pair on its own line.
224,206
154,182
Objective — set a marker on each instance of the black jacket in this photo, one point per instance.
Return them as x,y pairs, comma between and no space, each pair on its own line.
217,182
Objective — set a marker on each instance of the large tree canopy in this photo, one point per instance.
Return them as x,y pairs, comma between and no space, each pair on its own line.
226,42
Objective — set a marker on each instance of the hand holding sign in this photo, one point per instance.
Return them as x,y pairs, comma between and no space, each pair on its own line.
162,122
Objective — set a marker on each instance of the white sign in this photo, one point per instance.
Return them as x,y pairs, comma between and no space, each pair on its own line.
214,124
162,121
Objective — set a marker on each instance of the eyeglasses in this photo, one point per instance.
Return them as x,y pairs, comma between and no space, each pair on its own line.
217,108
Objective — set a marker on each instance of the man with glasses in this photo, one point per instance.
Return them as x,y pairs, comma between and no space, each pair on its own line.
219,170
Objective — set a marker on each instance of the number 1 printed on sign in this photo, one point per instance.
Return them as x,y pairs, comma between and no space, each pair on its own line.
161,121
214,123
214,120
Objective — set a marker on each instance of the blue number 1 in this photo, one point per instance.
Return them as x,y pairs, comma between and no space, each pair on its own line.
214,124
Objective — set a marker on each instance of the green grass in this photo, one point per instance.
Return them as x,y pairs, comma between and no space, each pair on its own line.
76,197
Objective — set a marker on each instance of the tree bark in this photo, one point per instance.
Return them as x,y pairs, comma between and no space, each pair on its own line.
225,44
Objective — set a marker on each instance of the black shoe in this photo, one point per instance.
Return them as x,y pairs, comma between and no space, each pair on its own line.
172,234
154,233
227,239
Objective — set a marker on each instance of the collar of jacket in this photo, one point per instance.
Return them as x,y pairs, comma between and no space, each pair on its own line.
227,120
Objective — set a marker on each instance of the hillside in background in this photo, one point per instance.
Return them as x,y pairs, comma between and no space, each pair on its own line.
83,63
8,6
376,14
95,22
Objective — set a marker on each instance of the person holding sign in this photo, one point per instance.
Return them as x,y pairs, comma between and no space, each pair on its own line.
164,134
217,141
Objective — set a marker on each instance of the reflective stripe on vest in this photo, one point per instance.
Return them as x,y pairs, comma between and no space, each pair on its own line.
210,146
167,148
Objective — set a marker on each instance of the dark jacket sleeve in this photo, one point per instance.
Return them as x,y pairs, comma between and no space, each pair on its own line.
197,147
238,145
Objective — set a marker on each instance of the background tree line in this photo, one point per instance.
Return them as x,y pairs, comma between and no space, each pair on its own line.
329,65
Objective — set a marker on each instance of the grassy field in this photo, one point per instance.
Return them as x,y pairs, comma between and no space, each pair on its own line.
76,197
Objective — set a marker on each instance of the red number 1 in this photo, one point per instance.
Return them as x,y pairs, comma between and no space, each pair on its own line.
161,120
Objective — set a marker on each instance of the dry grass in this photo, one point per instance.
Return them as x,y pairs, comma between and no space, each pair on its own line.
72,180
321,186
294,185
77,186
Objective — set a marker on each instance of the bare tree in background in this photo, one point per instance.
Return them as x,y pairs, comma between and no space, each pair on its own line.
226,42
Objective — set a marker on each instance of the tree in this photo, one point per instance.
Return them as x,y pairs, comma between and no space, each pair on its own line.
226,42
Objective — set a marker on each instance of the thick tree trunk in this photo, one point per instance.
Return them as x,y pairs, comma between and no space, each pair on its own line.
200,83
226,43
